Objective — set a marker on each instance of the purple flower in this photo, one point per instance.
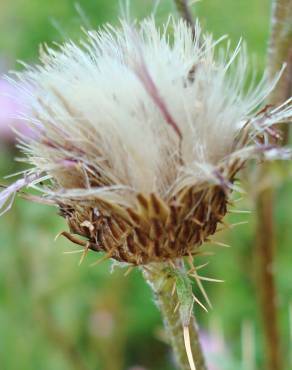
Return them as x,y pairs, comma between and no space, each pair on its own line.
214,349
11,106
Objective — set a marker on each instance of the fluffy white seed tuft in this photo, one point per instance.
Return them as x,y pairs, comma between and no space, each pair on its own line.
141,109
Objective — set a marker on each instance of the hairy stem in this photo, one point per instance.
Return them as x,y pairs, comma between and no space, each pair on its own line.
167,300
280,51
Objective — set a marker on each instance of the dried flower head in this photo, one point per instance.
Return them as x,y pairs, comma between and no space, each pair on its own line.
140,136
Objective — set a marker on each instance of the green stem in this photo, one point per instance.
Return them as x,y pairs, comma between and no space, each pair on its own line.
162,286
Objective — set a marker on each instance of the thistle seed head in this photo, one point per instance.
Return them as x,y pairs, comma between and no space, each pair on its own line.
141,134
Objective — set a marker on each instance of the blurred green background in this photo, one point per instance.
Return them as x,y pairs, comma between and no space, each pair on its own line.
55,315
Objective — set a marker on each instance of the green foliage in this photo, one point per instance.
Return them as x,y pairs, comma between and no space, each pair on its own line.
184,292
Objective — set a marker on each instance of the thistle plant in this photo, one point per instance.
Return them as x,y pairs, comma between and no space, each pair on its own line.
139,134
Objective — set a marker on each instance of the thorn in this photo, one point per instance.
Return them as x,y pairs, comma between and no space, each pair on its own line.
84,254
220,244
239,211
238,223
203,254
200,303
58,236
129,270
188,347
72,238
205,278
202,266
200,285
196,221
73,252
173,289
172,264
176,307
193,267
102,259
191,261
225,224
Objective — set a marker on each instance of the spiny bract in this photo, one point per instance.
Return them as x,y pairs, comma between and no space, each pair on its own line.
140,135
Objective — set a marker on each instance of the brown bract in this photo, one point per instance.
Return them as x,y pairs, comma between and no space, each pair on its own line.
153,230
